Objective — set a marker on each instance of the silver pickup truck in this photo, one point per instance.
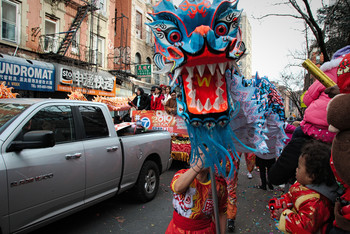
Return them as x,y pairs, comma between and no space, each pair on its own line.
60,156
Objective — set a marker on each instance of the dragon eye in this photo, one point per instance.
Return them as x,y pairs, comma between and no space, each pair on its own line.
221,29
174,36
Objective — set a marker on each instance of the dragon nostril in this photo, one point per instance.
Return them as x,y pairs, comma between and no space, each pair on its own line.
175,53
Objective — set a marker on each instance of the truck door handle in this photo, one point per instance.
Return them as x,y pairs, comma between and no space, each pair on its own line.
112,149
73,156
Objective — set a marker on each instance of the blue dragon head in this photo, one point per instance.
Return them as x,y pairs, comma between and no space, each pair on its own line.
196,43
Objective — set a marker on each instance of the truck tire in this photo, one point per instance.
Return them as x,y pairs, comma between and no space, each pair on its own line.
147,184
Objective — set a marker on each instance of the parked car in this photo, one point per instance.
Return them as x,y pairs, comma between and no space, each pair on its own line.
60,156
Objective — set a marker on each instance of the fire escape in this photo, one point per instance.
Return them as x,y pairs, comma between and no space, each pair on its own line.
62,46
70,34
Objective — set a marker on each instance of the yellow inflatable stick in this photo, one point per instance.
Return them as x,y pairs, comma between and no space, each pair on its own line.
318,73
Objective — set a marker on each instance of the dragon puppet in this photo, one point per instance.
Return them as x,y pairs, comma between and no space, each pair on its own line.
198,45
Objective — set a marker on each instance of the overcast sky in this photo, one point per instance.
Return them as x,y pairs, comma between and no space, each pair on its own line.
273,38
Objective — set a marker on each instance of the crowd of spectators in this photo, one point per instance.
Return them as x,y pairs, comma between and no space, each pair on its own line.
160,98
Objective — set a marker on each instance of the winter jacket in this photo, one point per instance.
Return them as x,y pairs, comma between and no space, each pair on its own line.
283,171
156,102
311,211
316,100
142,100
289,129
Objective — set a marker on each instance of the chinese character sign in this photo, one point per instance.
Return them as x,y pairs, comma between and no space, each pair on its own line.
143,70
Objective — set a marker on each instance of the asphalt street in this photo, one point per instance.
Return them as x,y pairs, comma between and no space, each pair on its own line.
122,214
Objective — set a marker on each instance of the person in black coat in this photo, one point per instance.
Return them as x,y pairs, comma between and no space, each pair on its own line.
141,101
283,171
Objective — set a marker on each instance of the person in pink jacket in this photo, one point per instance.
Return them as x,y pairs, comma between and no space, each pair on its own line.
288,129
314,122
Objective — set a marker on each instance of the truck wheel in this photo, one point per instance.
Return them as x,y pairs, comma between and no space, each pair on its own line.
147,184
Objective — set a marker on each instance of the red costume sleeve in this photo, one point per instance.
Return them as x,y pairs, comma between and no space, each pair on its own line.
309,215
221,187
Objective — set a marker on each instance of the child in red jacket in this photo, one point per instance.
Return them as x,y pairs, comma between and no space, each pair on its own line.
311,198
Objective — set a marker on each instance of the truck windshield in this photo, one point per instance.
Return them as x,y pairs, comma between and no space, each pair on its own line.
9,112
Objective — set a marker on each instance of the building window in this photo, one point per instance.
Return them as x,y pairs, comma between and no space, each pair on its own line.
138,25
137,58
51,40
75,43
98,50
148,60
148,33
101,5
9,21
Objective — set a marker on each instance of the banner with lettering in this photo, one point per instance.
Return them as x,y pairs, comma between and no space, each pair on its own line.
27,74
98,83
160,120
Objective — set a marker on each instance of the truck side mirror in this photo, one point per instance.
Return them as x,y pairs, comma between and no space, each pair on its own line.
33,140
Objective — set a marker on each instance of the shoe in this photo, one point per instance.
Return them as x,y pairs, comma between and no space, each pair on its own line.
260,187
230,225
249,175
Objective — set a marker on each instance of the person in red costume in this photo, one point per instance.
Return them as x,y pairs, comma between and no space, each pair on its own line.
310,199
193,201
338,120
156,99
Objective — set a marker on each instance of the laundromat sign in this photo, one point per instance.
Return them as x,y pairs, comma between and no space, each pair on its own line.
93,83
25,74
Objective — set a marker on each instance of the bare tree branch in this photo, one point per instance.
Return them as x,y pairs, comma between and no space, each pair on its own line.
268,15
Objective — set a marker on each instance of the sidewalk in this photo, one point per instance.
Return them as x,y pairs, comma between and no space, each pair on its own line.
252,213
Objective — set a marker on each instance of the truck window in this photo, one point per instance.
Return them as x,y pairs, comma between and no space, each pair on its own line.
9,112
94,122
58,119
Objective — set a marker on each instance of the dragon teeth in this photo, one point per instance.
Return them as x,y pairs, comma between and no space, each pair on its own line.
212,68
190,72
222,67
199,106
219,81
219,91
189,86
217,104
200,69
219,100
192,94
207,105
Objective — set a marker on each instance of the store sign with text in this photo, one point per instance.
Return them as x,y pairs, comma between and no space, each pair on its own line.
26,74
160,120
90,82
143,70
